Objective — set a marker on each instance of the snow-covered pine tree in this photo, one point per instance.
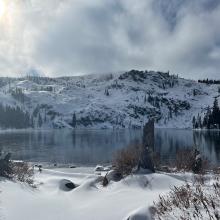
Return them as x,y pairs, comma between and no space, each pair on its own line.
74,120
40,121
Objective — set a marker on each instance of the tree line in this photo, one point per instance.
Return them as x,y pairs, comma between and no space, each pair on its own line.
211,118
14,117
209,81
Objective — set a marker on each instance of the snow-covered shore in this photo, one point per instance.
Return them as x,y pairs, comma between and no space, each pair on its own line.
90,200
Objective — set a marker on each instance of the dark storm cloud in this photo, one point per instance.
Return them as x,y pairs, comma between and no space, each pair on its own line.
71,37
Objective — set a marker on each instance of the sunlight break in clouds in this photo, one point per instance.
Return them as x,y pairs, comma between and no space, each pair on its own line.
71,37
2,8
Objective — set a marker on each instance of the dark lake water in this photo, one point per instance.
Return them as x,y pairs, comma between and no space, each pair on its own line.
90,147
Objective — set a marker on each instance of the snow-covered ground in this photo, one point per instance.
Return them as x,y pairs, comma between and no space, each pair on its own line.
131,196
110,100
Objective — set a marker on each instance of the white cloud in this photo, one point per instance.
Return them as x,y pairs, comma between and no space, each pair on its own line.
69,37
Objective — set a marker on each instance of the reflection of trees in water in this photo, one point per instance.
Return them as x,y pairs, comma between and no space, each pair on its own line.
209,143
168,141
97,146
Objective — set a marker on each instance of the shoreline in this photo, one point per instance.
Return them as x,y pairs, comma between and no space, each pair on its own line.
95,129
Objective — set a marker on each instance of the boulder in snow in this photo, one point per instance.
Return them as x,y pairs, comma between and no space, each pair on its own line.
66,185
113,175
99,168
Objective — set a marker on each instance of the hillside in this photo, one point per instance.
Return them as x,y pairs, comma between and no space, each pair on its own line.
121,100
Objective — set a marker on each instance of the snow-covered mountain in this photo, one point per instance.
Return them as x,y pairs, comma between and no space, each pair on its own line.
108,100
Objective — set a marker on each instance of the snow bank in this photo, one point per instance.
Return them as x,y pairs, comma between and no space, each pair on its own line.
90,200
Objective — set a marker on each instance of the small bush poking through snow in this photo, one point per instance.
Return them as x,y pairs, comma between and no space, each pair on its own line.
184,159
19,171
190,202
22,172
105,181
187,160
125,160
5,166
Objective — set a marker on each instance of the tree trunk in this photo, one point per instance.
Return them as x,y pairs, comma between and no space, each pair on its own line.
147,149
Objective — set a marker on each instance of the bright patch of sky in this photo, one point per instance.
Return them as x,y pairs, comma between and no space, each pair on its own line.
72,37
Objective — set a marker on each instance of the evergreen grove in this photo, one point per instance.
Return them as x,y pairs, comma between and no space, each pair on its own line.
211,119
16,117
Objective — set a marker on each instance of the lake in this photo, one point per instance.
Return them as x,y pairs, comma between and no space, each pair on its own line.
91,147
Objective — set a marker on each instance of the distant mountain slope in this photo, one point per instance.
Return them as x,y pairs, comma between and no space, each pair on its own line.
109,100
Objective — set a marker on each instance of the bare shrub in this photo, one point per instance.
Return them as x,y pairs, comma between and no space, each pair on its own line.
105,181
216,170
156,160
5,166
190,202
126,159
23,172
205,165
185,161
19,171
199,179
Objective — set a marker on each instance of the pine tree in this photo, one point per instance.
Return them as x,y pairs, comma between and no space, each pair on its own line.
208,119
194,121
205,121
170,113
32,122
196,125
74,120
107,92
199,121
212,116
40,121
150,99
216,112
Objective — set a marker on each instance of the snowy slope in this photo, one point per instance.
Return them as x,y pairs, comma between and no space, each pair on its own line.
89,201
110,100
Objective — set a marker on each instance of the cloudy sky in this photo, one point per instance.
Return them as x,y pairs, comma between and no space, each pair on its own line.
72,37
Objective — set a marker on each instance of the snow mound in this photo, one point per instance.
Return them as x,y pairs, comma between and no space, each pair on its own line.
90,200
140,214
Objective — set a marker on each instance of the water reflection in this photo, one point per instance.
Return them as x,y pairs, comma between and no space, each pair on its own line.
89,147
61,146
209,143
168,141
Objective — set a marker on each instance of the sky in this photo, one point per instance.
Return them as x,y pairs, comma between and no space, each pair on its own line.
75,37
